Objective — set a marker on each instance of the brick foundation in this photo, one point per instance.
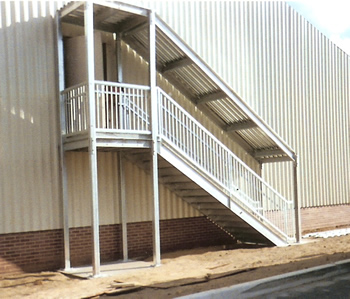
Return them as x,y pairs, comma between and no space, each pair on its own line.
43,250
325,218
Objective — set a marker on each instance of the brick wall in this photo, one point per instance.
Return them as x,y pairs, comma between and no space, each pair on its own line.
31,251
43,250
325,218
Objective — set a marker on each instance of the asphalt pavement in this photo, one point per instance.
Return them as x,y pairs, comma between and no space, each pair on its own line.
324,282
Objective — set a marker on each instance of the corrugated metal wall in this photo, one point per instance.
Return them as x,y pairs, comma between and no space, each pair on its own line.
30,190
289,73
132,61
29,169
139,196
293,76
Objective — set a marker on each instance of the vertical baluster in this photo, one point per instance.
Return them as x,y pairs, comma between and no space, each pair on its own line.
111,95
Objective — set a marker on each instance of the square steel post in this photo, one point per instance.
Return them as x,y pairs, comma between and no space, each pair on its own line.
61,86
296,202
89,40
123,209
154,125
119,58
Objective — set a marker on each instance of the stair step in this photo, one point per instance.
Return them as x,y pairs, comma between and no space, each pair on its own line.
233,224
213,213
240,230
175,179
169,171
197,192
199,199
210,206
183,186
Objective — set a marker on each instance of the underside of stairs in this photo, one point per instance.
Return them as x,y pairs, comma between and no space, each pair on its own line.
184,187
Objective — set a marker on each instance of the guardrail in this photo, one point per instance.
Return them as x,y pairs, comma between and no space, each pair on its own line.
75,107
122,106
118,107
216,161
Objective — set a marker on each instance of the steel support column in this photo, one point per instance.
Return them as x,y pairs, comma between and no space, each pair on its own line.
123,209
154,149
89,39
296,202
119,58
64,182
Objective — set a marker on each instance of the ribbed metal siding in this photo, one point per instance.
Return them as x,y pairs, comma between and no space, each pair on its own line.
138,195
289,73
29,182
132,62
29,169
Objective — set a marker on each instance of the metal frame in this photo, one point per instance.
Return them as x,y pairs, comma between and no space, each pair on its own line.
154,149
99,137
89,34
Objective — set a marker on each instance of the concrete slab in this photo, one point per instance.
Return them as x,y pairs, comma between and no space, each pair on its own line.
109,269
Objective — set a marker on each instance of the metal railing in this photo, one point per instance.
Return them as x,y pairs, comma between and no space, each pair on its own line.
118,107
122,106
126,107
217,162
75,108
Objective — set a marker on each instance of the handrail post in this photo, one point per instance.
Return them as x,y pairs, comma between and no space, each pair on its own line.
89,37
296,202
154,127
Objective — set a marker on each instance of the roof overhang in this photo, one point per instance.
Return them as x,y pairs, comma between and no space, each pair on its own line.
183,68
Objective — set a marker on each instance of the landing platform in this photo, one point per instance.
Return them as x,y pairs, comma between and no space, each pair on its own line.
108,139
109,269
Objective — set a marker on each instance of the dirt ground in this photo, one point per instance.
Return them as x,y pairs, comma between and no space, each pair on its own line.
183,272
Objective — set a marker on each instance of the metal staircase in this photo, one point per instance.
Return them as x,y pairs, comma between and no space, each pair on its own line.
152,128
208,176
193,162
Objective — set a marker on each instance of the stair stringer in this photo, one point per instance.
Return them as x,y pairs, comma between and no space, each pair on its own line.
167,153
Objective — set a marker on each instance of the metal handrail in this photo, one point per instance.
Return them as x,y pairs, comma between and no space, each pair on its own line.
119,106
215,160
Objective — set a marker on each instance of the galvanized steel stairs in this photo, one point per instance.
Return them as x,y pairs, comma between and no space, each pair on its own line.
196,190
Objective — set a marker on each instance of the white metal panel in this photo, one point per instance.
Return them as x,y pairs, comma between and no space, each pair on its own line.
29,179
295,78
138,192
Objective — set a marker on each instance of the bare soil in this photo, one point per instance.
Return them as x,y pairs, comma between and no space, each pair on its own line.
183,272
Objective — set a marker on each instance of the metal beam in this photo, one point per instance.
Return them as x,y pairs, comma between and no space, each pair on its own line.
64,176
130,8
238,126
74,21
273,160
211,97
268,152
70,7
154,150
132,28
90,60
179,63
